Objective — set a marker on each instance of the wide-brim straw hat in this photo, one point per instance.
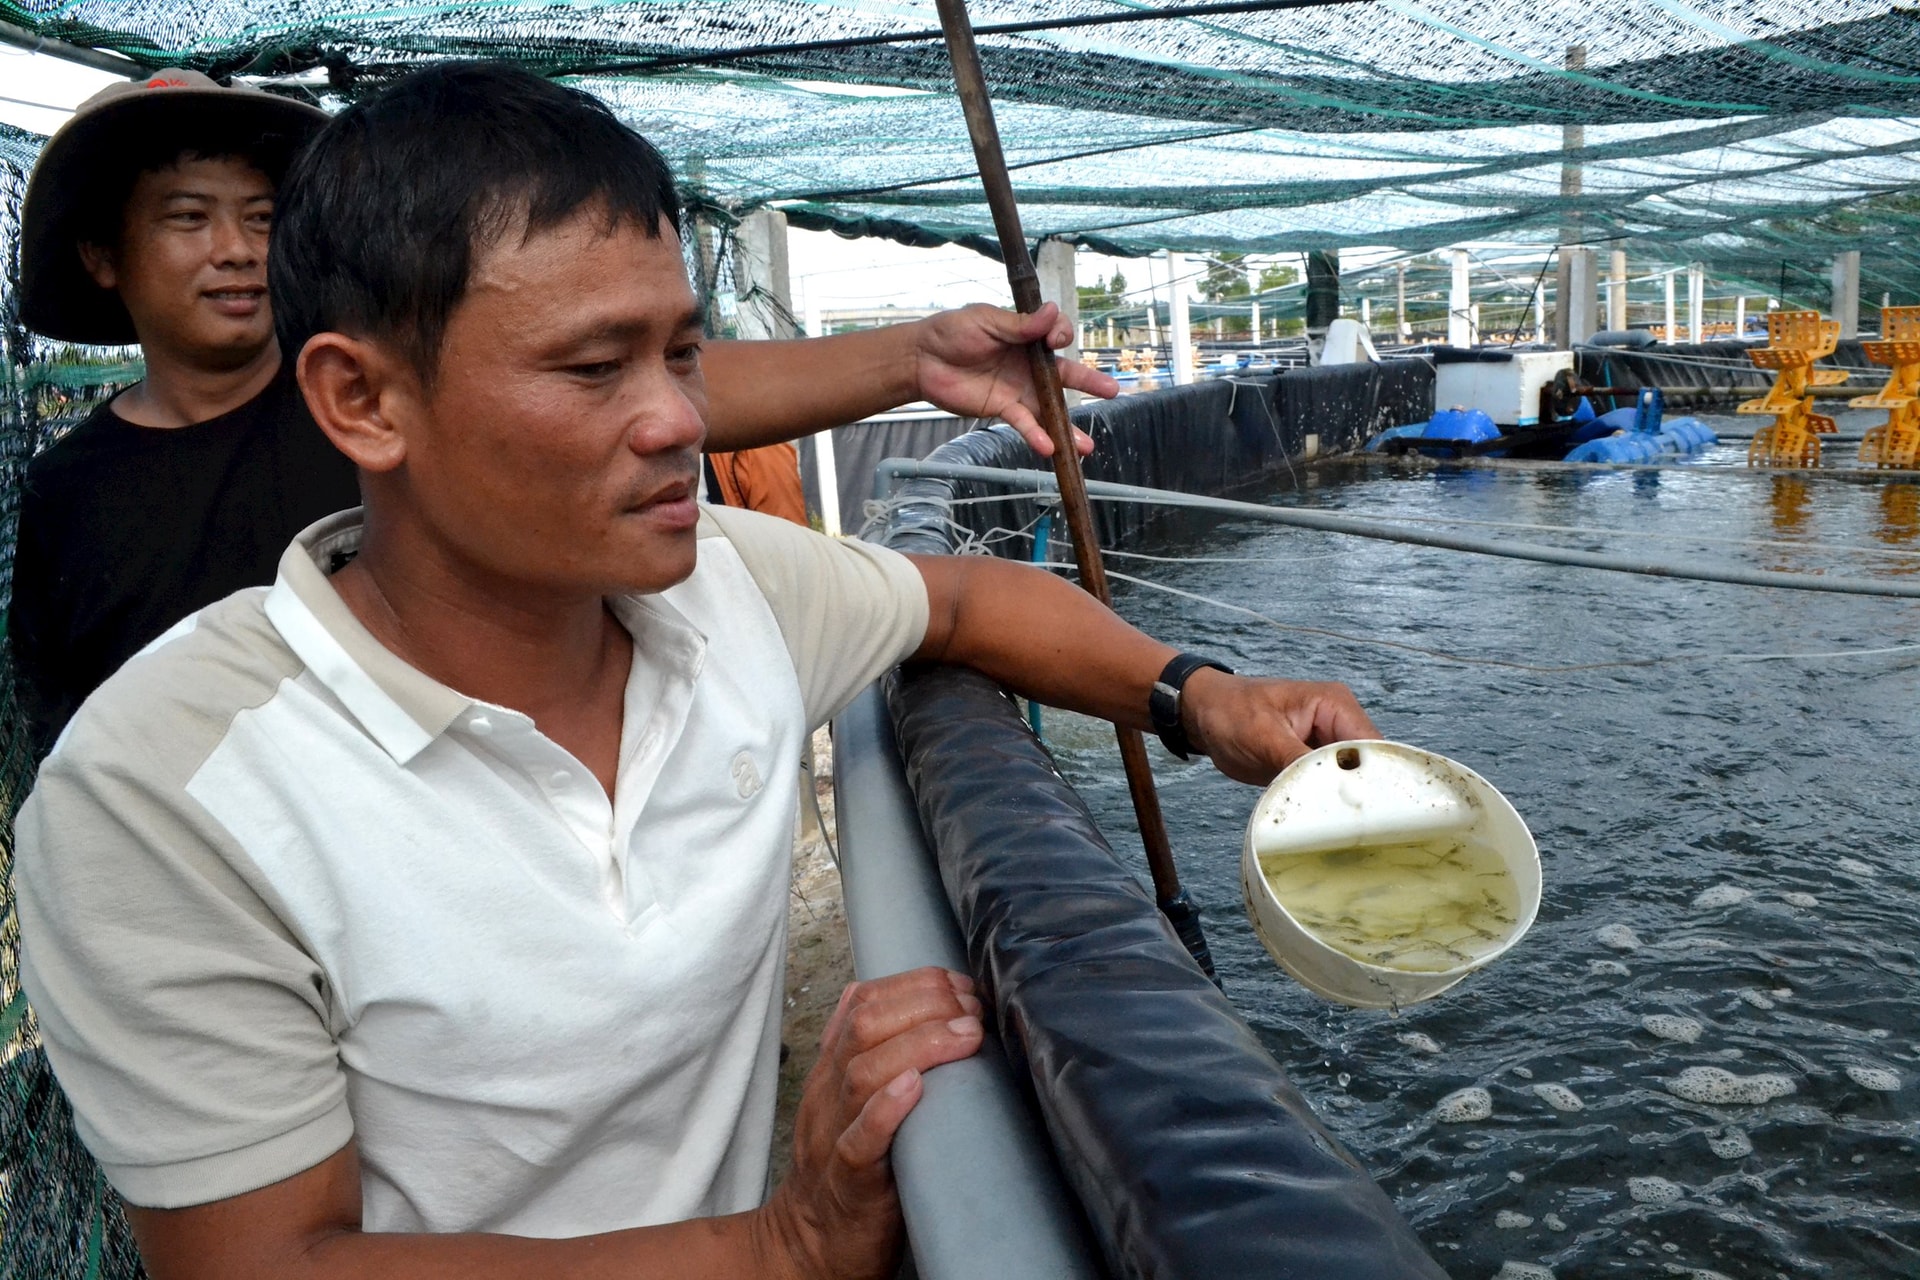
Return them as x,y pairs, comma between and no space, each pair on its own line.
83,159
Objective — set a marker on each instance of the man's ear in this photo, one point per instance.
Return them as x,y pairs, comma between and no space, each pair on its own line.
98,260
362,397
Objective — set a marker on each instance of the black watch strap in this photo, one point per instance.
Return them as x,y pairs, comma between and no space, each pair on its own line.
1163,704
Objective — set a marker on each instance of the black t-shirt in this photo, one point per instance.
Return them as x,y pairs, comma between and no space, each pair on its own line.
125,530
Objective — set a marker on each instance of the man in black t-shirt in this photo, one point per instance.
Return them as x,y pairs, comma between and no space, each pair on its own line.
147,219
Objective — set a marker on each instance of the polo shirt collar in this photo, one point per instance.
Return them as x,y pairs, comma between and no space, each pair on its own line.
400,707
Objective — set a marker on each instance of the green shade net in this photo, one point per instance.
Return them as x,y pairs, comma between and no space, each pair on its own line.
1758,137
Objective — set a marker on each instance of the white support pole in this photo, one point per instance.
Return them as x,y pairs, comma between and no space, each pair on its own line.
1055,263
1153,305
1110,341
828,476
1846,292
1540,316
1696,303
1740,316
1672,336
1256,322
1617,290
1403,330
1473,322
1181,329
1583,294
1366,314
1459,298
762,290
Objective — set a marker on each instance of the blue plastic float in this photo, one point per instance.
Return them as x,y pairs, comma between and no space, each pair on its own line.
1639,434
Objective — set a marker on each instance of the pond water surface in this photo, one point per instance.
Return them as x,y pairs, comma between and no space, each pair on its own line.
1730,851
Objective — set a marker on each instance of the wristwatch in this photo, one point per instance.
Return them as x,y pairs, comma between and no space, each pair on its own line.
1163,704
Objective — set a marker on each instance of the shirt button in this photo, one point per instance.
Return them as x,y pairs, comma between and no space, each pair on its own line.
560,778
480,725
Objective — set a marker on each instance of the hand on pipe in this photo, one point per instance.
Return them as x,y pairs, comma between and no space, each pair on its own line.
1253,728
974,362
837,1216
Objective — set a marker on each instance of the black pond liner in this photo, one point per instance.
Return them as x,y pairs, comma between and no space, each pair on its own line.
1190,1151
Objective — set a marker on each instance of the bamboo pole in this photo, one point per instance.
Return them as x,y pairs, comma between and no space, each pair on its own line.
1025,282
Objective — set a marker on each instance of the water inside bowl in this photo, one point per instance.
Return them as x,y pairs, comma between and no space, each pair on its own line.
1419,907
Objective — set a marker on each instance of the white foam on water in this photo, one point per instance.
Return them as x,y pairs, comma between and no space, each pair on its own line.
1672,1026
1655,1190
1462,1105
1730,1144
1553,1222
1880,1078
1511,1270
1418,1041
1805,901
1525,1073
1719,1087
1559,1097
1509,1220
1612,967
1514,1175
1853,866
1721,895
1620,937
1758,999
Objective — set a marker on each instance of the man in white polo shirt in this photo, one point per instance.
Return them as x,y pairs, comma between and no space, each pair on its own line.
423,914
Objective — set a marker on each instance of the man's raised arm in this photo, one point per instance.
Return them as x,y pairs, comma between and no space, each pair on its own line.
972,362
1046,638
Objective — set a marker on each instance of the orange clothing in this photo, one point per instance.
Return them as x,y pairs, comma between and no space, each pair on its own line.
765,479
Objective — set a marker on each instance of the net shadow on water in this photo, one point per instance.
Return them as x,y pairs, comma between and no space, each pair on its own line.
1705,1058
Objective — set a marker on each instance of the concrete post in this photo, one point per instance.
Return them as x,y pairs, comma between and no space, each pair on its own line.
1672,336
1254,324
1573,138
1057,285
1583,295
1740,316
1402,328
1153,306
1617,290
1846,292
1366,314
1459,299
763,295
1696,302
1179,326
1110,338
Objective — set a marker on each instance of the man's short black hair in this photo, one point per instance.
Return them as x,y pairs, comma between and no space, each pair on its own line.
377,225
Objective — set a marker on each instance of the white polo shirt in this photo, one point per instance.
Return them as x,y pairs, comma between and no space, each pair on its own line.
277,889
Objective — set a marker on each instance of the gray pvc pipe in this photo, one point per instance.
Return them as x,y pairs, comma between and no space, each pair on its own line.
1043,482
978,1185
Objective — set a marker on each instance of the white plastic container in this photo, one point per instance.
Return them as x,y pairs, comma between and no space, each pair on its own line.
1508,391
1373,795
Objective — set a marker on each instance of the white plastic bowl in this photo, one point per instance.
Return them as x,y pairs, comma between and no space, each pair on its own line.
1357,795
